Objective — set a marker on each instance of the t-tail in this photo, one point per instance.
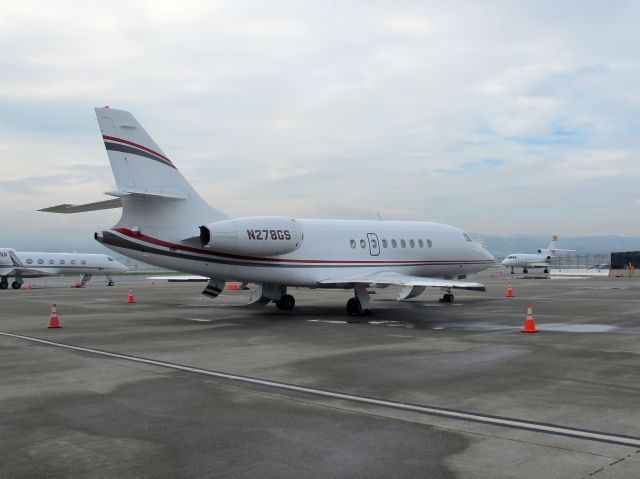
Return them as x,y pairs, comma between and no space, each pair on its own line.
155,196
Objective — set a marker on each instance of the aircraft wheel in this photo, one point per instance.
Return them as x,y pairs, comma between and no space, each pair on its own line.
286,303
16,285
525,270
4,284
546,271
447,298
110,283
353,307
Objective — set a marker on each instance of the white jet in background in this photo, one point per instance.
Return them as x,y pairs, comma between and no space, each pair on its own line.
166,223
541,259
36,264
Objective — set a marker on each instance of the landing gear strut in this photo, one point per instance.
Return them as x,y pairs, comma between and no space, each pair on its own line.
110,279
359,305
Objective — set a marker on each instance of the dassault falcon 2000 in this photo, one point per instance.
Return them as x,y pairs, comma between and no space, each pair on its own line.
541,259
165,222
35,264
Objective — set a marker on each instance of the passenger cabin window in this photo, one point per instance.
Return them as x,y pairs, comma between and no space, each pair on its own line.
363,243
421,243
384,243
83,261
467,238
29,261
412,243
353,244
394,243
374,244
61,261
40,261
51,261
403,243
73,261
429,243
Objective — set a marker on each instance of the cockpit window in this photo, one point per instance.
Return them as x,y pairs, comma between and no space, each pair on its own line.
467,238
110,258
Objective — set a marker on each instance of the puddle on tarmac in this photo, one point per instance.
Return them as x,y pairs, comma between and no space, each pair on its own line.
577,328
331,321
396,324
563,327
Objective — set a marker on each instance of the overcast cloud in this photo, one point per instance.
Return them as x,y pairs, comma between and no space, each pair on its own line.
498,117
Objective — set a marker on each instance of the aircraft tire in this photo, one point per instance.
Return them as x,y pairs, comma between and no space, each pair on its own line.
525,270
447,298
16,285
4,284
110,283
353,307
286,303
546,271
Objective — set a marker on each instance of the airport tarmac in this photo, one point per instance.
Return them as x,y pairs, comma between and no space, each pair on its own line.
179,385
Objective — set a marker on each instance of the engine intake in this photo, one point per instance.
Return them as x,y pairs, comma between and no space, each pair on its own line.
259,235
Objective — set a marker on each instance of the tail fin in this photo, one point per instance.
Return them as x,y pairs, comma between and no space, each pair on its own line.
152,190
552,245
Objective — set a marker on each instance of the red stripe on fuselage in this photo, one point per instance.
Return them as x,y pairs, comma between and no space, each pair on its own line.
131,143
166,244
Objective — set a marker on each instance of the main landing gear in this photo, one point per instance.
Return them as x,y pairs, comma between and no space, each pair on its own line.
4,284
286,303
360,304
16,284
447,298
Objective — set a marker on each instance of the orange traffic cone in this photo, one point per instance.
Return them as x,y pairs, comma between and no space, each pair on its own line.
510,293
53,320
130,298
529,323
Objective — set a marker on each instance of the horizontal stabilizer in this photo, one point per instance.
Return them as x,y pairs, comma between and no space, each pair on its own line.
170,193
69,208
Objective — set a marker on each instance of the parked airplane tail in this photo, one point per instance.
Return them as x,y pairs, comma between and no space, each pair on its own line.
152,190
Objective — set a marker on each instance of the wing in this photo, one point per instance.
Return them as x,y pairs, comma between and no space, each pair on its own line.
399,279
178,278
15,271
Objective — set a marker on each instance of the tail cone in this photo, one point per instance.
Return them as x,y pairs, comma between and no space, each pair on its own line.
529,323
53,320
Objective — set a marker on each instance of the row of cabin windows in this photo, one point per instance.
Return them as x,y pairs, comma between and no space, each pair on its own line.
41,261
394,243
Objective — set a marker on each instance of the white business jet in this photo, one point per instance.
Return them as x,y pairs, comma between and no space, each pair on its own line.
541,259
35,264
165,222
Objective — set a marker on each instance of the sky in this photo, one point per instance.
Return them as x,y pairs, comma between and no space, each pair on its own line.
497,117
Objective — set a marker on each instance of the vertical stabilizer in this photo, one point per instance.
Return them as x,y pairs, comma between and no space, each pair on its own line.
153,192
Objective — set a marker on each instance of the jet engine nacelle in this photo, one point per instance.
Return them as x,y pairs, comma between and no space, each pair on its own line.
258,235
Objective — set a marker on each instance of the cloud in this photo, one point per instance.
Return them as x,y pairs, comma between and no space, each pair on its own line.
435,111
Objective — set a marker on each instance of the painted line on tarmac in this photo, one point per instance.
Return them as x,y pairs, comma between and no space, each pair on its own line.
546,428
